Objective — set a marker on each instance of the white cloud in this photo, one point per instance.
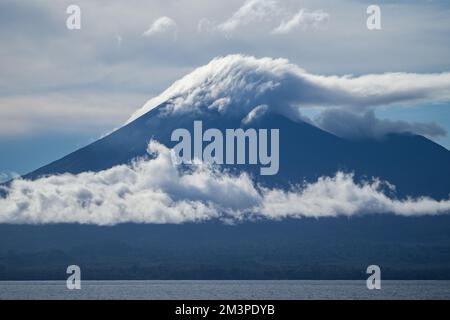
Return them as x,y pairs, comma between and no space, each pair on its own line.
154,191
303,19
251,11
70,112
236,84
266,14
163,26
366,125
6,176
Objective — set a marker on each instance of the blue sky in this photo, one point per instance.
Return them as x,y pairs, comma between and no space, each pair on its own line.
62,89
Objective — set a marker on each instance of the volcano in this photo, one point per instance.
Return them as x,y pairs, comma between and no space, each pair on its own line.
414,164
222,97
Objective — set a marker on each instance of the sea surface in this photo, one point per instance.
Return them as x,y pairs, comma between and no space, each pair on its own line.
227,290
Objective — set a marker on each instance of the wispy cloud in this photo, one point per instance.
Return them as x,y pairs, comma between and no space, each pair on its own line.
163,26
38,43
64,64
70,112
154,191
303,19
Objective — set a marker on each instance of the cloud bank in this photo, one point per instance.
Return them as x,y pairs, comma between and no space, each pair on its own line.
152,190
236,84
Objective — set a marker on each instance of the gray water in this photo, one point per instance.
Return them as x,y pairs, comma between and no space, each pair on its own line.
227,290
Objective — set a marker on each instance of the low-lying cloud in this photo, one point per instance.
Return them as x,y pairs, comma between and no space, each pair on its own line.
163,26
236,84
152,190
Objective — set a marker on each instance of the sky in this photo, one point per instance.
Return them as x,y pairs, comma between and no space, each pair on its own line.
61,89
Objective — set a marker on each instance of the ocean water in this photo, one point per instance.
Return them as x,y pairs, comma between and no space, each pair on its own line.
227,290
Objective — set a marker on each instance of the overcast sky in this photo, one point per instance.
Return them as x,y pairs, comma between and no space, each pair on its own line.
61,89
